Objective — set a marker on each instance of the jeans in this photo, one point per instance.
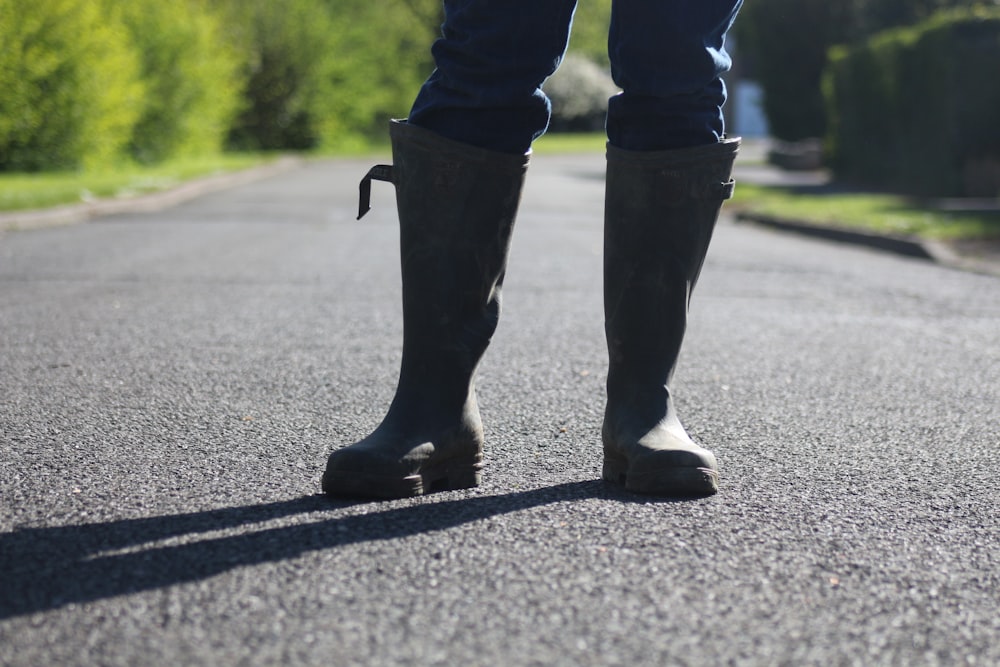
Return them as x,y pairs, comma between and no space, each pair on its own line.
667,57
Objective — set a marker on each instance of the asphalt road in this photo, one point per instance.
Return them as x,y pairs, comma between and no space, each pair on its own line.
171,383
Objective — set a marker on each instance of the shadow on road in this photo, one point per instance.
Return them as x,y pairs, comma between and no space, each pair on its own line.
48,568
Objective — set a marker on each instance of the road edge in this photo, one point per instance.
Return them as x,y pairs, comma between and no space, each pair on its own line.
937,251
71,214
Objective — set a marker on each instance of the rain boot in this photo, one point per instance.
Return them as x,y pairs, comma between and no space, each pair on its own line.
660,211
456,206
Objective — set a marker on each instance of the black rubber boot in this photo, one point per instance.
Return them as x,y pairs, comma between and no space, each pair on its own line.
456,207
660,211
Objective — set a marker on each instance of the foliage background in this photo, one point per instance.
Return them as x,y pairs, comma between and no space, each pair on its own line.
70,84
191,77
928,124
94,83
787,43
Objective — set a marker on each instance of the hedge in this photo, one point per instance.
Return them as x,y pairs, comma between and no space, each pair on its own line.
91,83
785,43
915,109
321,73
70,86
286,51
192,77
86,84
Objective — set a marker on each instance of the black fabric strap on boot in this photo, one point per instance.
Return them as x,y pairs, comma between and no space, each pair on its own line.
380,172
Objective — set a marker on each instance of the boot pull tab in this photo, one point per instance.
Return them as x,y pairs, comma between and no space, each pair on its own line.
380,172
725,190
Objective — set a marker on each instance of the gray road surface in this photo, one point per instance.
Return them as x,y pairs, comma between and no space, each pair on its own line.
171,383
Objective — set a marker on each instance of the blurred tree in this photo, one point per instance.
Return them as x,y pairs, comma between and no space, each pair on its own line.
70,87
87,81
286,50
590,31
382,56
191,74
324,73
877,15
579,91
427,12
914,109
788,42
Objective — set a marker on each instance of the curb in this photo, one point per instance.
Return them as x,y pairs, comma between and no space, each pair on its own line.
939,252
76,213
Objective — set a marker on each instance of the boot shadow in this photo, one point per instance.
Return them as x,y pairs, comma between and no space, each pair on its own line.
49,568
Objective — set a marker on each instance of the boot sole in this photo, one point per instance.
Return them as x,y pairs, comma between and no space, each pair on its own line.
453,477
688,482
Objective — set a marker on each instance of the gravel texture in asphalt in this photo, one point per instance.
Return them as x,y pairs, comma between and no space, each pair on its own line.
172,382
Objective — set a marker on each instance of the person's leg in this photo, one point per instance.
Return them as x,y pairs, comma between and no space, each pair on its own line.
491,61
669,171
667,56
456,207
459,164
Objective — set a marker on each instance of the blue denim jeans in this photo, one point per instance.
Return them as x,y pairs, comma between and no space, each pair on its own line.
667,56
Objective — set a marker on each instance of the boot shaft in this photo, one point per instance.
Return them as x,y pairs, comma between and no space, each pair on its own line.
661,206
456,206
660,212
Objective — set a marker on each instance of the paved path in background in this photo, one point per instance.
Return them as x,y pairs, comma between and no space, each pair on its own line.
171,383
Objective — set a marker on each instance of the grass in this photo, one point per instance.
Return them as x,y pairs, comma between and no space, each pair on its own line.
566,143
19,191
876,212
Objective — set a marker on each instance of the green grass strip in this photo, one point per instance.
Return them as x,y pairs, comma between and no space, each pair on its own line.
555,143
881,213
19,191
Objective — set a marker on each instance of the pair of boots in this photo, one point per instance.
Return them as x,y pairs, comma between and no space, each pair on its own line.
457,205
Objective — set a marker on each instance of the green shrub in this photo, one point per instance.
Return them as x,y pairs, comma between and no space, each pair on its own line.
70,90
380,58
786,42
579,91
590,31
286,50
915,109
191,74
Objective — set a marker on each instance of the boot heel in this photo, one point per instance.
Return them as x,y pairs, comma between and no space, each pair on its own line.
456,477
615,471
